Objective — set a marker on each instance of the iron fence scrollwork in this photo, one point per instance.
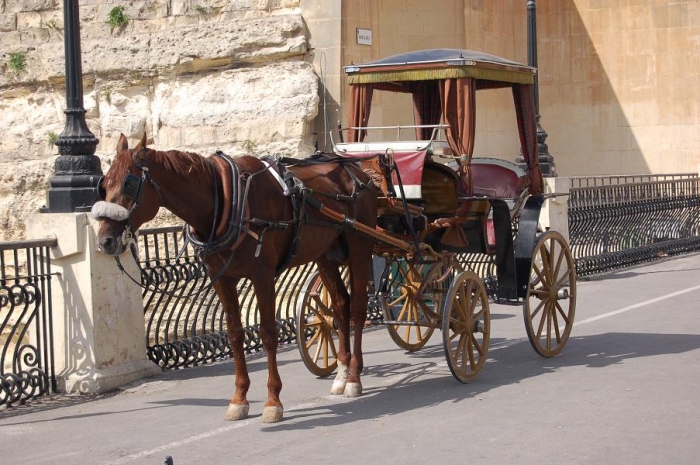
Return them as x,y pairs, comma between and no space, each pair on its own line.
26,338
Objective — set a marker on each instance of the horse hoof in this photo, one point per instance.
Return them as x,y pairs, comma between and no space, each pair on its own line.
352,390
236,412
338,387
272,414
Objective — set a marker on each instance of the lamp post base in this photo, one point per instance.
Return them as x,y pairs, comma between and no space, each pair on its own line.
74,186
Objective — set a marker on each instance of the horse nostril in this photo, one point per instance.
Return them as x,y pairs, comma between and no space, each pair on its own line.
107,244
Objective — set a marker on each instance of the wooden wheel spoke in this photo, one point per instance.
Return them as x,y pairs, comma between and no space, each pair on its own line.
313,338
537,309
322,308
555,325
541,278
557,267
546,265
543,318
462,354
562,313
463,303
317,354
477,345
470,354
473,298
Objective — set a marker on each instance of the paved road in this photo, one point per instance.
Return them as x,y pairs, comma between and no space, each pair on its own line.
626,390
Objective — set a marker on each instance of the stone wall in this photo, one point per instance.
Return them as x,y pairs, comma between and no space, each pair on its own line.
195,75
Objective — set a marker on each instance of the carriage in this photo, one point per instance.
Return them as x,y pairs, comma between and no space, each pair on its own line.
453,231
413,210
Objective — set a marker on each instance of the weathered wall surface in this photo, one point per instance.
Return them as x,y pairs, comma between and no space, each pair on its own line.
618,78
199,76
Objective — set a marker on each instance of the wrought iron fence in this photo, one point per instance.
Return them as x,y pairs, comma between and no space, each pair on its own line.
614,221
619,221
185,324
26,338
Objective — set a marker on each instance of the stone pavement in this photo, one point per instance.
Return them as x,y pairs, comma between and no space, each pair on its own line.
626,389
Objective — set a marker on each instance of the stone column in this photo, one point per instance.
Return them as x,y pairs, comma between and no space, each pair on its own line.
99,330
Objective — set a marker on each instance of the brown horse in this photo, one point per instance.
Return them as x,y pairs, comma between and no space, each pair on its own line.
266,232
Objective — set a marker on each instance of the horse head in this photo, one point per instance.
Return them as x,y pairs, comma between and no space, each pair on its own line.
129,197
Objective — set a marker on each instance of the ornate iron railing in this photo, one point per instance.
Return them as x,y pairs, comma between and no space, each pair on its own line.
614,221
185,324
617,221
26,338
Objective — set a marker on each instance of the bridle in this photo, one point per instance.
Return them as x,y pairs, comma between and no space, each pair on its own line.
133,188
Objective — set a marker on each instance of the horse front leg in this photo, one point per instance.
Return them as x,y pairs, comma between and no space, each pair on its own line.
238,406
273,411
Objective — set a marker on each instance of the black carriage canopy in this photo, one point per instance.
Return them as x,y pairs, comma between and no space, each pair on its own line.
443,83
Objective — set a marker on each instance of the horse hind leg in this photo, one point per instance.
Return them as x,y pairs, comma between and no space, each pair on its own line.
238,405
340,302
360,265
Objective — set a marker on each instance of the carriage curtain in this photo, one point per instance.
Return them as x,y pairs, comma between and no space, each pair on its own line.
426,107
524,98
360,106
457,97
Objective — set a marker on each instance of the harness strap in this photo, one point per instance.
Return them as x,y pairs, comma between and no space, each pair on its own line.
234,210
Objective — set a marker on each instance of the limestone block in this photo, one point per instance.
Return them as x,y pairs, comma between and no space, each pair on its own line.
246,98
28,120
22,191
30,5
29,19
8,22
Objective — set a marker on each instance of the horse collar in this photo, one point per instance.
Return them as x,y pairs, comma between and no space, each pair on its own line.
226,232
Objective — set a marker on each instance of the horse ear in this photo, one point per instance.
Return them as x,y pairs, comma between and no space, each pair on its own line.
122,143
142,142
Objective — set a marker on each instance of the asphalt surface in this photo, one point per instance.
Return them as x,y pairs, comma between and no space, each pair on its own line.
626,389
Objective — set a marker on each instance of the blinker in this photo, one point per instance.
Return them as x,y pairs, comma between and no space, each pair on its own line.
101,192
131,187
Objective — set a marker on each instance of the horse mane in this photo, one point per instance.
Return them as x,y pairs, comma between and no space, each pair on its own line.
185,164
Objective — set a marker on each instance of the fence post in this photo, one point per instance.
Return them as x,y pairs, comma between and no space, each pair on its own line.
555,212
99,331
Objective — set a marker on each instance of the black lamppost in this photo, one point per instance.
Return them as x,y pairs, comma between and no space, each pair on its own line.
547,164
73,188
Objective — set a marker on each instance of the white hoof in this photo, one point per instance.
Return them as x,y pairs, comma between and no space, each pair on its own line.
272,414
340,380
236,412
338,387
353,390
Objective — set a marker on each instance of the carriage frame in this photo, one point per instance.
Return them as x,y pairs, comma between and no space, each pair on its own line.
439,207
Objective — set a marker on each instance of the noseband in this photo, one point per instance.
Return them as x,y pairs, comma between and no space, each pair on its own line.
132,188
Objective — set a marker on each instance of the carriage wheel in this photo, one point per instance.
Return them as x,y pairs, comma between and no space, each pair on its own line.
551,295
466,326
316,330
412,296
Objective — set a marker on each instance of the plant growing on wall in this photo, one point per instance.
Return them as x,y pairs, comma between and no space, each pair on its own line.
117,18
53,137
17,63
248,145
